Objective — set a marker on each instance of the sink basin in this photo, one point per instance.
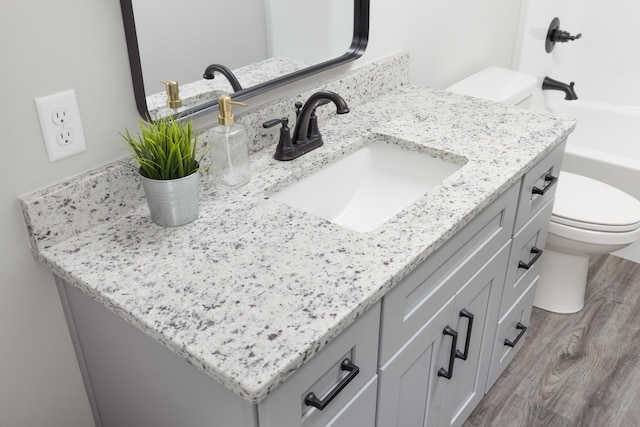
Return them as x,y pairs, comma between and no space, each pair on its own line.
364,189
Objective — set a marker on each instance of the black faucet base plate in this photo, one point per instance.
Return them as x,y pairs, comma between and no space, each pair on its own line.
298,151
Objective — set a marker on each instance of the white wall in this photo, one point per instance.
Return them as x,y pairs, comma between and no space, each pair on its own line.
48,47
451,39
52,46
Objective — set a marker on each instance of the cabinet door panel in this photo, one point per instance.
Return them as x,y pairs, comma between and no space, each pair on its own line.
410,391
479,297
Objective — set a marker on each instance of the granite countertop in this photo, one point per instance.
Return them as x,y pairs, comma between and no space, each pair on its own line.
253,288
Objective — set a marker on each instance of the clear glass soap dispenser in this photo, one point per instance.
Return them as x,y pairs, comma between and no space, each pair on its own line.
229,148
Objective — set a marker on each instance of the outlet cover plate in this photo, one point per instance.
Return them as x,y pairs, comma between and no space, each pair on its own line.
61,125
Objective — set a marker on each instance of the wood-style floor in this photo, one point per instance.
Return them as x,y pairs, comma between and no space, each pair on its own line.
576,370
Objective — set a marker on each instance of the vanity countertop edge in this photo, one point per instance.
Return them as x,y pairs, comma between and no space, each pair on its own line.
267,286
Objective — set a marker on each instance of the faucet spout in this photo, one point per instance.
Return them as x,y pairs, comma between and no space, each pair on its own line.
301,131
550,84
225,71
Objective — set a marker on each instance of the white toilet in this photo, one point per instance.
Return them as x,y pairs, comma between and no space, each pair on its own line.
589,217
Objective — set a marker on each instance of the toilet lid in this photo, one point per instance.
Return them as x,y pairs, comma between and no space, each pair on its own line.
497,84
593,205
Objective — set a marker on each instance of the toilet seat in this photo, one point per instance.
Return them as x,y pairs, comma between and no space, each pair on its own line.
591,205
594,237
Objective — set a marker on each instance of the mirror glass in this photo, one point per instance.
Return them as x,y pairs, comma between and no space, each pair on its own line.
262,43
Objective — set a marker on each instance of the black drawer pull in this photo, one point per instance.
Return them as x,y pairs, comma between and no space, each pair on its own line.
459,354
537,252
452,354
346,365
520,327
549,180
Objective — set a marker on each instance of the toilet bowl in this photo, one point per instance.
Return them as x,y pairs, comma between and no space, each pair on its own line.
589,217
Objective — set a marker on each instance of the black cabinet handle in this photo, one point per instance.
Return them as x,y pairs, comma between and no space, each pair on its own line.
346,365
537,253
452,354
459,354
520,327
549,180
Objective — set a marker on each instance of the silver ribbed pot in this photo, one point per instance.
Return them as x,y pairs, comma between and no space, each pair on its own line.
173,202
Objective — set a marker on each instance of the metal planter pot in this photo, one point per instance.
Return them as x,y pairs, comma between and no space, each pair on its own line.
173,202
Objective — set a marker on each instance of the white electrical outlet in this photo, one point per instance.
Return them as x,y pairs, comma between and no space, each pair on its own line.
61,126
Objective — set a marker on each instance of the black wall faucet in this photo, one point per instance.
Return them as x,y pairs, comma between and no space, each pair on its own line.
306,135
550,84
556,35
225,71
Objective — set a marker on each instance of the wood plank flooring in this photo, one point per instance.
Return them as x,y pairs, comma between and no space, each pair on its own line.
577,370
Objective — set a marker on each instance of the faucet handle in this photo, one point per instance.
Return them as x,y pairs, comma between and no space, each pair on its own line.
273,122
285,147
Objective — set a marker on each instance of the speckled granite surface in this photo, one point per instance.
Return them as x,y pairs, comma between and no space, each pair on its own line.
268,286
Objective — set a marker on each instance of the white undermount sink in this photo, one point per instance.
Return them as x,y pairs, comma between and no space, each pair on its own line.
362,190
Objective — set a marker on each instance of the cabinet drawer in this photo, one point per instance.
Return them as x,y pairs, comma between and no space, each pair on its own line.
425,290
511,333
527,247
361,410
323,376
541,179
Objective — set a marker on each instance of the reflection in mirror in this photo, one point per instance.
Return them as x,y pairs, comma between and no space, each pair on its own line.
263,43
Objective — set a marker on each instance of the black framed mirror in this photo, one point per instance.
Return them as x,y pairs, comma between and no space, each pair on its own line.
281,42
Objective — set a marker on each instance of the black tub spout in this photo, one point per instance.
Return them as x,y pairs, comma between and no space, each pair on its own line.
550,84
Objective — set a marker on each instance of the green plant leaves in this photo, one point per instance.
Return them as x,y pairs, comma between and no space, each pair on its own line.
165,149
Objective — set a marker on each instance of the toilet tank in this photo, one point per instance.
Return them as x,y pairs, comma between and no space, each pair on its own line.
499,85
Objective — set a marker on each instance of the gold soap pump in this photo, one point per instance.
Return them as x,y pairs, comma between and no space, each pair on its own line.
229,147
173,93
225,115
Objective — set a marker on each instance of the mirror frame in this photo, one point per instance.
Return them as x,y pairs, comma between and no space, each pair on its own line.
355,51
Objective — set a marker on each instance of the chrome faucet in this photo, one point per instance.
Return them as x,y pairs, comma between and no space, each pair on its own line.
550,84
306,135
225,71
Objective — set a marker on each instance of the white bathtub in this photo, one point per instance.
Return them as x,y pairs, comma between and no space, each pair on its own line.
605,146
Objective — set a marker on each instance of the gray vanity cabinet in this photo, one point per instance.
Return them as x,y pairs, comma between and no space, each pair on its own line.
422,381
425,354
